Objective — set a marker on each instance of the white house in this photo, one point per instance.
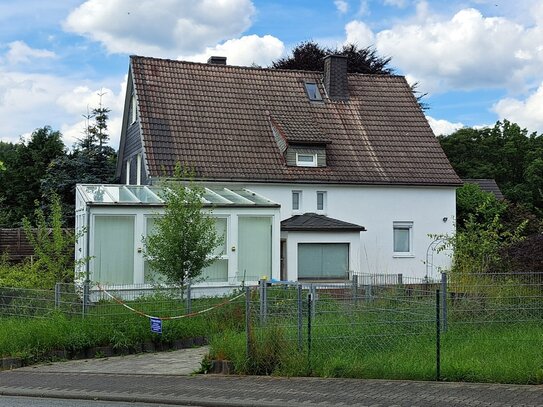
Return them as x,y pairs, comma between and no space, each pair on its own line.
360,180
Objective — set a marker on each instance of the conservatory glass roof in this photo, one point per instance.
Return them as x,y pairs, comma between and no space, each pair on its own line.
96,194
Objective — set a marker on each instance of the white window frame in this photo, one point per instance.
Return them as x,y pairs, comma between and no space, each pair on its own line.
138,169
318,96
401,225
312,163
127,172
299,208
324,196
134,109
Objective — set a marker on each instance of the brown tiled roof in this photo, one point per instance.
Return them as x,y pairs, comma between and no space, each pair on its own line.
486,184
216,119
313,222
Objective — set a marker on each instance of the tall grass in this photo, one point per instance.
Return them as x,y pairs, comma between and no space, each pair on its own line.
494,353
109,324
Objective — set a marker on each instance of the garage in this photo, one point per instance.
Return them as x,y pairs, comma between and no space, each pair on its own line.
323,260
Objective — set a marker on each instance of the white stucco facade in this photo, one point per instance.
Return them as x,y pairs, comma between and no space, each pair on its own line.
428,211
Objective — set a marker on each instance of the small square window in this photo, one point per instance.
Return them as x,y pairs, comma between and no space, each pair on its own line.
403,239
296,200
321,200
306,160
313,91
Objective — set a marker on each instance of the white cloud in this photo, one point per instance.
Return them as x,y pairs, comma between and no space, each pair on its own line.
175,27
341,5
359,33
29,101
527,113
244,51
363,8
19,52
466,51
442,127
395,3
80,100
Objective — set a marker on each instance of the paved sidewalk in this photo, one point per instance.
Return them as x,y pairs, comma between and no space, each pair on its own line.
162,378
179,362
212,390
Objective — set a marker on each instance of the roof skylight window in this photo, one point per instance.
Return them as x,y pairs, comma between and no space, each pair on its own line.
313,91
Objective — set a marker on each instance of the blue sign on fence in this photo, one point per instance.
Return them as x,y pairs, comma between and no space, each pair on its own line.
156,325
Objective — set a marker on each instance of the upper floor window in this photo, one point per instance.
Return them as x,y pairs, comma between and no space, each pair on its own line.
313,91
321,201
403,238
306,160
133,109
296,200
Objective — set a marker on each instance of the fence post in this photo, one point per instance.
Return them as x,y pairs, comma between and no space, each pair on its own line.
263,301
57,295
300,314
444,301
355,289
368,292
310,303
438,337
189,299
248,322
86,297
400,279
313,300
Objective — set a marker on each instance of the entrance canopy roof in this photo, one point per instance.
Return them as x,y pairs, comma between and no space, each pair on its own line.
135,195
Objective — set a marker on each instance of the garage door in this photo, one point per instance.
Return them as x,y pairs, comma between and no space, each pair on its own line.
323,260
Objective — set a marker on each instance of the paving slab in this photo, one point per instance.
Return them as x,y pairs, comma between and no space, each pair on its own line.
176,363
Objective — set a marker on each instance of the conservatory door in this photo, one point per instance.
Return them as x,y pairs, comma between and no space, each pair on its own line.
255,247
113,249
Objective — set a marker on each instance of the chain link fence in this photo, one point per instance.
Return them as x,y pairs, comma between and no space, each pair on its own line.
484,327
335,329
108,304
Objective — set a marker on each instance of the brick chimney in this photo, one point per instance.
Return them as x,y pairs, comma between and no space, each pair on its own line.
216,60
335,77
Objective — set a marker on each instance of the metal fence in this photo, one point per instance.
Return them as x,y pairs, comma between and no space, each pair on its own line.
377,322
111,302
392,323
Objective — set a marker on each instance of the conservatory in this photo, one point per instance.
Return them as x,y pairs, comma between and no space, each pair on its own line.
113,220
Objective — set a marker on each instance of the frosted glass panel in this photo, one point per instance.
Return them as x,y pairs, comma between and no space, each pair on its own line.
255,247
114,249
323,260
401,240
149,275
220,228
217,272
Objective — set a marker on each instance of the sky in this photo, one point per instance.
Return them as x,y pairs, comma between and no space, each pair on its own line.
479,61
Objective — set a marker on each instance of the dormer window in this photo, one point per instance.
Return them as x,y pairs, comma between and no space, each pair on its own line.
313,92
306,160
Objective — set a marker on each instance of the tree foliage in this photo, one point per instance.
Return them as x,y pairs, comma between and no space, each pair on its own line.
53,245
25,165
184,237
309,56
506,153
91,161
482,236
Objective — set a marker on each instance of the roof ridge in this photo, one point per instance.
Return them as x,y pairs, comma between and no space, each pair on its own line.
258,68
